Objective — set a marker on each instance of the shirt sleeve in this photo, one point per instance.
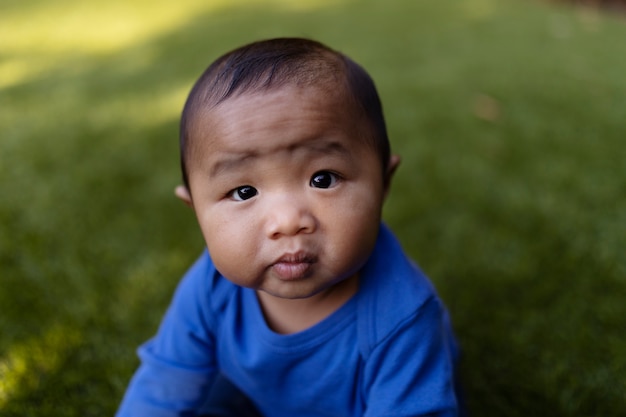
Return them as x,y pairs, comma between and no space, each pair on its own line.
411,371
178,365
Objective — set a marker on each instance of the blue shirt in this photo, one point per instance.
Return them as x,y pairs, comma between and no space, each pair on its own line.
388,351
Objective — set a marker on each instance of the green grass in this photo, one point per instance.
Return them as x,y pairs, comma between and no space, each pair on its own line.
509,116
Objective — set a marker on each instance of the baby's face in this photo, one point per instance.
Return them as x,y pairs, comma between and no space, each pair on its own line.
286,190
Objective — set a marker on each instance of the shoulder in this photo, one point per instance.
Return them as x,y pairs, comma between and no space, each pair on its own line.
193,316
393,292
203,288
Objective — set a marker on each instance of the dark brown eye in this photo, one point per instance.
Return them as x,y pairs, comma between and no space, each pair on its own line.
243,193
323,179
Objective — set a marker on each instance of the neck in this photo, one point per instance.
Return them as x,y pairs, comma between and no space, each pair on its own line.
287,316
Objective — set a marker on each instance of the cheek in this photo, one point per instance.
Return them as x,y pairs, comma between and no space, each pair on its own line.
352,246
354,228
228,239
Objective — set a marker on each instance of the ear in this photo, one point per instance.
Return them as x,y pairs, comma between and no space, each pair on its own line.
183,193
394,162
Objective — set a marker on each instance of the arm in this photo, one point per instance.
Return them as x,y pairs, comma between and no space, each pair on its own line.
178,364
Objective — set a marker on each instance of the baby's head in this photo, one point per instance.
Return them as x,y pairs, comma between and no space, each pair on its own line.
286,164
276,63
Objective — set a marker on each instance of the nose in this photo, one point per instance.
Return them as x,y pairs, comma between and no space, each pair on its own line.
288,216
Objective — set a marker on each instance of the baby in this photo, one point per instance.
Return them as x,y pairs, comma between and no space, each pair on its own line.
304,303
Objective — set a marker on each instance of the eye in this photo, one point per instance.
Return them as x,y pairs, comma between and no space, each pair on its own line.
323,179
243,193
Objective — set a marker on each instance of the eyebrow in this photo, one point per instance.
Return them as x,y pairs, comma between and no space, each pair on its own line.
236,160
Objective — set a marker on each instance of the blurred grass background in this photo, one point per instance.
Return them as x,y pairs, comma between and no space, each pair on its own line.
509,116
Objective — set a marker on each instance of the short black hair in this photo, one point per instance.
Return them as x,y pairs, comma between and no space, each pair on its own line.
272,63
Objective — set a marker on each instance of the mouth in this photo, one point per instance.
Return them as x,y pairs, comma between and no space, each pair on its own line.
293,266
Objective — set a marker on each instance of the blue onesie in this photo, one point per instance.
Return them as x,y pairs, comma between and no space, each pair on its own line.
389,351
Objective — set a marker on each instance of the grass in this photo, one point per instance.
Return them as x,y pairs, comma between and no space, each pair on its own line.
508,115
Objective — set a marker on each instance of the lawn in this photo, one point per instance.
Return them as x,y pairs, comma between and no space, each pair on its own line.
510,119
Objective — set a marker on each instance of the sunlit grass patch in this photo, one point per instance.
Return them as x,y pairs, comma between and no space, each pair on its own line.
23,364
37,36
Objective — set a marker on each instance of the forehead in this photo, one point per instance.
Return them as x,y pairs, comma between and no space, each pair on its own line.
275,120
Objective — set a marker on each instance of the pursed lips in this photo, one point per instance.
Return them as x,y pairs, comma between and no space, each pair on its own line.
292,266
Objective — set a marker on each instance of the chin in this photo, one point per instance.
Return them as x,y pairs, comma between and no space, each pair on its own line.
293,294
